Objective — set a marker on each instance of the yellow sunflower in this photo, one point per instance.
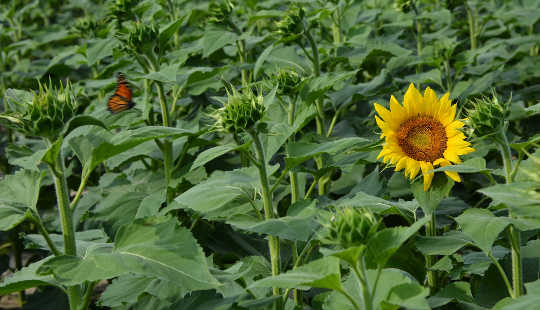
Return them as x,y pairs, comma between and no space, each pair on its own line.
422,134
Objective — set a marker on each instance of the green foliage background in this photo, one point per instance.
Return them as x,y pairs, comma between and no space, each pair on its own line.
171,209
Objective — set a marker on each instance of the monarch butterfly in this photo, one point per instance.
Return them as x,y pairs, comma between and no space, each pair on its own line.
121,99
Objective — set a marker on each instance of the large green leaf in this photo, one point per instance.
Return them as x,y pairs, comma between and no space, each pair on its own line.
216,39
216,192
19,194
446,244
522,197
300,152
321,273
26,278
298,227
158,250
482,227
387,241
430,199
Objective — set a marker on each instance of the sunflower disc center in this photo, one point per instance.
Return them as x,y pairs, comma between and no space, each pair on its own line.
422,138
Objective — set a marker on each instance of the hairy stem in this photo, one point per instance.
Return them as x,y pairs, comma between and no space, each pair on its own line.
430,259
66,219
514,237
273,242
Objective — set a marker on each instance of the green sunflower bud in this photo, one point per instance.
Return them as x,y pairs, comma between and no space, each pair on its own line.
121,10
289,81
45,113
241,112
487,115
220,13
85,27
403,5
291,27
351,227
142,39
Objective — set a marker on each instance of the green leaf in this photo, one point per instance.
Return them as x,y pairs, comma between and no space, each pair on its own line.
81,120
430,199
27,278
301,152
298,227
455,291
261,59
473,165
321,273
216,192
168,31
387,241
523,197
213,153
19,194
100,49
53,151
216,39
446,244
126,140
482,227
319,86
158,250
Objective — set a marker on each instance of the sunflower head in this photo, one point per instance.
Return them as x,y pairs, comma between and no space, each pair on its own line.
487,115
421,134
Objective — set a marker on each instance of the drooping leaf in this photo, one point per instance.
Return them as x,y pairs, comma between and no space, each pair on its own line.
159,250
482,227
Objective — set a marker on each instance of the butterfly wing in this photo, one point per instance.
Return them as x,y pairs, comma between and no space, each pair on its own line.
121,99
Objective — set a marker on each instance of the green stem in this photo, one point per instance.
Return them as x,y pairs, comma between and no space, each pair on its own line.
361,276
513,233
503,275
430,259
87,296
77,197
349,297
167,145
46,236
419,46
471,18
273,242
66,219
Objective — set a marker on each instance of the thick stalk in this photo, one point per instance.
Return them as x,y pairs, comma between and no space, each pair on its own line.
294,198
513,233
273,242
430,259
167,145
471,18
87,296
419,46
66,219
361,276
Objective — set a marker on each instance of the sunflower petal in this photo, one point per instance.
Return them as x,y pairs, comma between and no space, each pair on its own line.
412,100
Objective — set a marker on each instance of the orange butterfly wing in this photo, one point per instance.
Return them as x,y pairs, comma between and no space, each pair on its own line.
121,99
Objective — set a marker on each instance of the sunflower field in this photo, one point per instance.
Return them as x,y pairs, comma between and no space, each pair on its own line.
284,155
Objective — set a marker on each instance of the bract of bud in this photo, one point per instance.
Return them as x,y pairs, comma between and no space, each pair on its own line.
142,39
288,82
487,116
403,5
241,111
351,227
85,27
50,110
291,26
121,10
219,13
